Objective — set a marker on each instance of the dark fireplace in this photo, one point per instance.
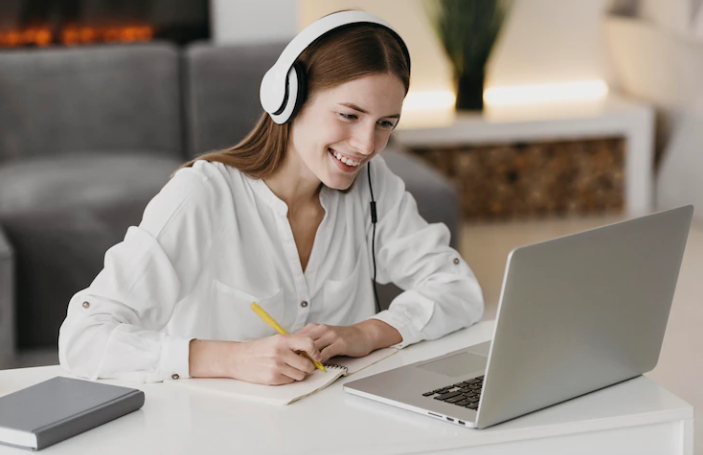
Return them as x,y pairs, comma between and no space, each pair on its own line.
78,22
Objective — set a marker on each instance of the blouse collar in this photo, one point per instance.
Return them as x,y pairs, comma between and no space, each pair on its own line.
277,204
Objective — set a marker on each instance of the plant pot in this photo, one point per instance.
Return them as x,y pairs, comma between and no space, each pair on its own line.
469,91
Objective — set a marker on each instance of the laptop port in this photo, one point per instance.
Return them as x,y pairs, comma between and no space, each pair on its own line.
461,423
436,415
450,419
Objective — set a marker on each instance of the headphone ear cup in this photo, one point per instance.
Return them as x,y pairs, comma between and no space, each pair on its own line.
295,95
272,92
301,94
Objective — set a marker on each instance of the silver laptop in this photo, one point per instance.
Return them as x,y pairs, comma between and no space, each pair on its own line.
576,314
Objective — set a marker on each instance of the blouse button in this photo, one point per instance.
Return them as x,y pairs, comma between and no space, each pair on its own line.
303,304
174,376
86,305
456,261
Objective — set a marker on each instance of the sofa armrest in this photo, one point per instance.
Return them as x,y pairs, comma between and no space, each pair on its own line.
437,200
7,302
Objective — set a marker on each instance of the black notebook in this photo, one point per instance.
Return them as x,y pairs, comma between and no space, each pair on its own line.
54,410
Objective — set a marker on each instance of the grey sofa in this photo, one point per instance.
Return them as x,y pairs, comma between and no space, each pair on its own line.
89,135
7,301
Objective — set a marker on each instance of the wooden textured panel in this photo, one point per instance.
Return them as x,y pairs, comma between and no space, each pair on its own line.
536,179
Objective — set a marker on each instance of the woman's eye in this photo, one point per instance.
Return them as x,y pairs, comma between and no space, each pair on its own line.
385,124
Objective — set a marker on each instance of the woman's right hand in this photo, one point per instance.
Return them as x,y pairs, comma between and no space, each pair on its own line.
272,360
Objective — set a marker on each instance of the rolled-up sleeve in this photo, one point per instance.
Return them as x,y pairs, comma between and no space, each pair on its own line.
441,293
113,328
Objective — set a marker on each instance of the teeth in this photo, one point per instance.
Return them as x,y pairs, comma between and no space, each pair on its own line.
345,160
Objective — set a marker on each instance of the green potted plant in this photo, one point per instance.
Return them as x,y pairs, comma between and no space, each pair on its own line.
467,30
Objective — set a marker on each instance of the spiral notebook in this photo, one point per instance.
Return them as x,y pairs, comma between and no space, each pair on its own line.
288,393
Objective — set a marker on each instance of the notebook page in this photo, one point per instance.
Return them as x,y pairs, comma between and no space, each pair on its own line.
357,364
280,395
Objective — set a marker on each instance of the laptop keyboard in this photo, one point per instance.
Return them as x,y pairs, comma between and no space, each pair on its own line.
465,394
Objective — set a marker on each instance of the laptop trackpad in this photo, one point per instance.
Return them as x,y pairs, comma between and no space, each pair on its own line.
457,365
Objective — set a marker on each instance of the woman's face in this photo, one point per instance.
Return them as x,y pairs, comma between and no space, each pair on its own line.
351,122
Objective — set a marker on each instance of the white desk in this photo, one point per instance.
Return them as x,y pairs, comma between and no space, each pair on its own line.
635,417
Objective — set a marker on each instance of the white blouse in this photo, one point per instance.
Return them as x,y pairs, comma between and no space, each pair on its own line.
214,240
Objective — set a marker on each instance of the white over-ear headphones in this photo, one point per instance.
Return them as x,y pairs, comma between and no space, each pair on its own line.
283,85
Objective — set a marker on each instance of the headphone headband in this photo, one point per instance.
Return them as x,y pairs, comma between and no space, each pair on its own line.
280,85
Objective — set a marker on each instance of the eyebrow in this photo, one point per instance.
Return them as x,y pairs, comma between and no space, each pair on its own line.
364,111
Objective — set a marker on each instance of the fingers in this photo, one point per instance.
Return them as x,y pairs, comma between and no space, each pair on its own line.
331,343
323,345
299,362
288,366
311,330
275,360
326,338
317,332
320,344
312,325
295,373
302,343
279,379
290,363
331,350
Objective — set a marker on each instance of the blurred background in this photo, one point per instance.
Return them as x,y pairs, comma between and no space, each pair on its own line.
526,120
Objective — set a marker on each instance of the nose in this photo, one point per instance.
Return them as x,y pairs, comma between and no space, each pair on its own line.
364,140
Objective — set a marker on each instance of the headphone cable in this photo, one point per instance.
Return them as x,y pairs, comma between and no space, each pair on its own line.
373,239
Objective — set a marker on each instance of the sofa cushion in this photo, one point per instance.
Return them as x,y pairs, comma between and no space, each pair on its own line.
7,302
61,216
437,201
93,180
111,98
222,92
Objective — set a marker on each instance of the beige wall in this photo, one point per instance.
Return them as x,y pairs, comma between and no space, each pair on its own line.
547,41
248,21
430,69
542,41
673,15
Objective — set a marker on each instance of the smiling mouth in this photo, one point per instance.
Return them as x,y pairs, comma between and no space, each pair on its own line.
344,160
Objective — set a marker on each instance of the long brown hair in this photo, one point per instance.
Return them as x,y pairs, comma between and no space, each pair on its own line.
342,55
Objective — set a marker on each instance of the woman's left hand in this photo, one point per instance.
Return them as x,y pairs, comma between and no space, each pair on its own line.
355,340
332,340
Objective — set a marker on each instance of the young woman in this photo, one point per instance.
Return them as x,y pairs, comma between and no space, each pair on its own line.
283,219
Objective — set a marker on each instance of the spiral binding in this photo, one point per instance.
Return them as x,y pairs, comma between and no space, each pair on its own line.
335,365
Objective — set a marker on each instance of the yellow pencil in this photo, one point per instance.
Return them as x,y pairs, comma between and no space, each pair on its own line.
277,327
